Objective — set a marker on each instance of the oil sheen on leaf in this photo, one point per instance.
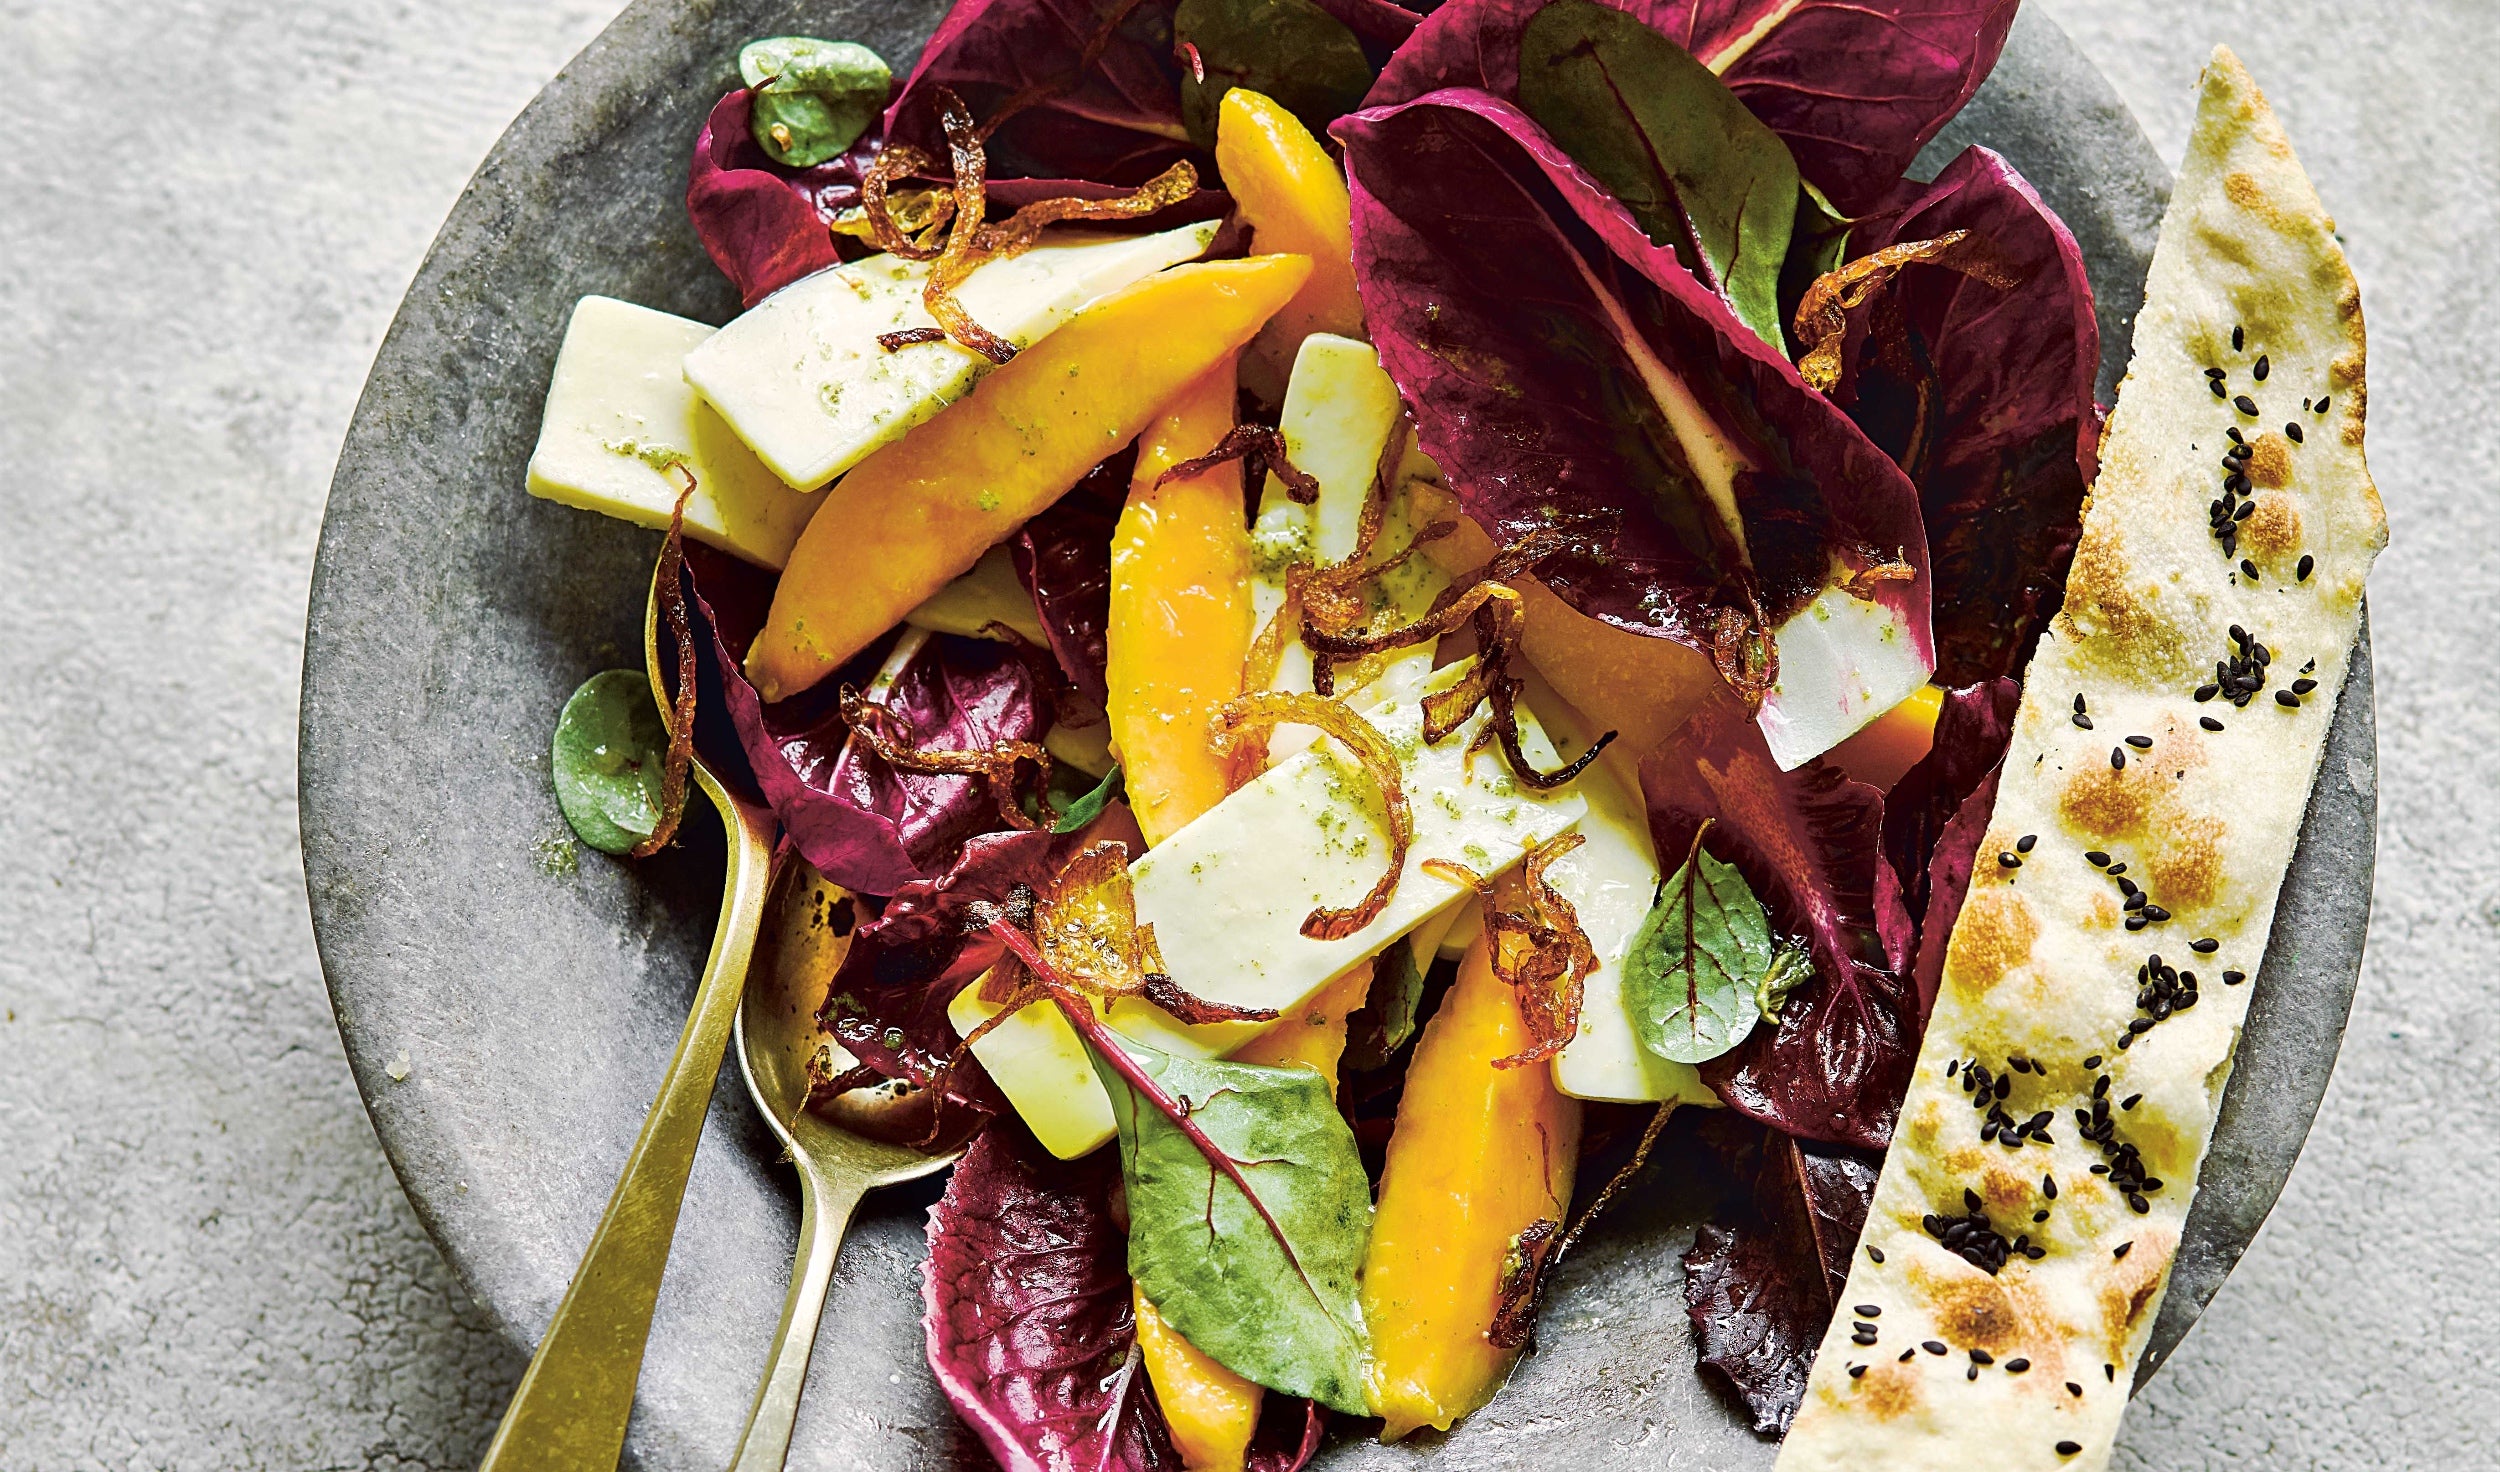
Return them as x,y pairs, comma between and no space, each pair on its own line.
607,756
812,98
1309,61
1701,175
1275,1304
1697,963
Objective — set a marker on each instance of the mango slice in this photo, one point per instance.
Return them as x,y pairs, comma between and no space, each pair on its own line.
1294,196
1480,1154
1893,742
922,510
1180,610
1210,1411
1313,1034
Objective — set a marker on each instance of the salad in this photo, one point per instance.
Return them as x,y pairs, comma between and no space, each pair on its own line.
1347,610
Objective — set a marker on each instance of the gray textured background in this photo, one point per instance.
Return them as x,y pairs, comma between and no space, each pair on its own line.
207,214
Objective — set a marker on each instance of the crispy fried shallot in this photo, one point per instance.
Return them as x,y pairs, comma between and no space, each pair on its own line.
1087,925
1260,450
872,722
906,228
1263,710
1539,949
908,337
1523,1284
1743,651
1823,313
1166,993
672,600
1861,584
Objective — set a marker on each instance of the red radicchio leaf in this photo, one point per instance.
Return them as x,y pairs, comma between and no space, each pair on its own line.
765,224
1947,882
862,824
1031,1332
1513,301
1764,1276
888,1002
1972,731
1063,557
1023,68
1810,844
1855,87
1985,397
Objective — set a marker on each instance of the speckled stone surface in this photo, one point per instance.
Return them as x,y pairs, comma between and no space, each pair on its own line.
203,1260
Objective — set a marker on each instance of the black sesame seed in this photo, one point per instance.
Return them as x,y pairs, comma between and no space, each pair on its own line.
2118,758
2092,1062
2131,1101
1933,1346
2140,1025
2122,1249
2263,366
2078,705
1861,1326
2100,1086
2308,564
2096,858
2073,1389
2216,385
2010,859
2209,723
2213,373
2110,1373
1974,1373
2126,1040
1857,1371
2245,509
2248,569
2292,432
2005,1086
2322,403
2233,431
1862,1338
2141,743
1907,1355
2017,1366
2039,1216
2156,914
2035,1252
2048,1187
2239,338
2024,844
2082,721
2303,687
2207,692
2134,922
1868,1311
2234,978
2286,697
2205,945
2244,404
2136,1200
1875,1253
2069,1448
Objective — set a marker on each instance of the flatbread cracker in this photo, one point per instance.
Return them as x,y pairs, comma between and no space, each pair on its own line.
2095,984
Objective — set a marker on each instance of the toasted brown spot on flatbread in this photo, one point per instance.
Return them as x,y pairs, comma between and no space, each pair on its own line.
1976,1312
2272,530
2187,867
2103,803
1889,1390
2131,1284
1993,936
2269,461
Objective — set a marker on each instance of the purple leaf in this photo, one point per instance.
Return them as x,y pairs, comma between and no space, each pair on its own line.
1764,1277
1031,1332
887,1003
1971,735
763,224
1518,307
862,824
1984,395
1063,557
1855,87
1113,116
1810,844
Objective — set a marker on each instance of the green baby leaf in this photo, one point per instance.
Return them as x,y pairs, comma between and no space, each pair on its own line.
1251,1252
1291,50
609,751
1698,171
1084,808
812,98
1703,963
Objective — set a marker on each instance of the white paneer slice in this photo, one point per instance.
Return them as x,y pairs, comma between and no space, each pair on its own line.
1339,411
989,594
803,379
1611,880
620,422
1843,662
1227,895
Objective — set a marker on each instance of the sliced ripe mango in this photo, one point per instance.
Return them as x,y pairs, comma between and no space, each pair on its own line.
922,510
1479,1155
1893,742
1294,196
1639,687
1313,1034
1180,610
1211,1411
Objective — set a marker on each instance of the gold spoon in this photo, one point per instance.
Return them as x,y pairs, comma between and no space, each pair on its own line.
871,1139
570,1411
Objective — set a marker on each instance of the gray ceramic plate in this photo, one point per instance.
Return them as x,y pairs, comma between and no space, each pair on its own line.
535,999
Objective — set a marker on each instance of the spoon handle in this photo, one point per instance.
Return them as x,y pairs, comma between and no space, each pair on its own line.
826,1201
570,1411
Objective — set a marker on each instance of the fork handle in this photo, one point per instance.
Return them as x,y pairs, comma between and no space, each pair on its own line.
570,1411
826,1201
